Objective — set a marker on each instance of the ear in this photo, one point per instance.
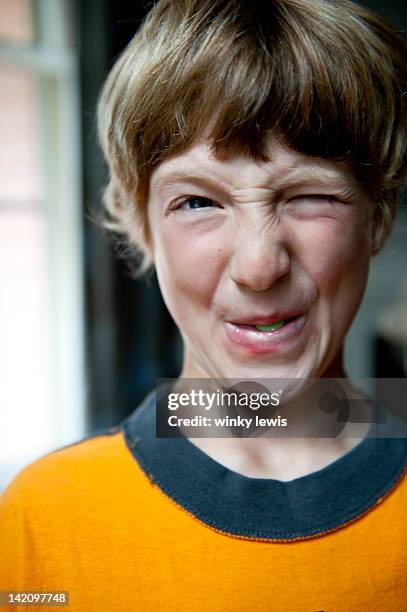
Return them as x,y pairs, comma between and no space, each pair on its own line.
148,244
378,241
383,222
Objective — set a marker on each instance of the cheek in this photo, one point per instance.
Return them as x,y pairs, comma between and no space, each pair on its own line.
336,257
189,268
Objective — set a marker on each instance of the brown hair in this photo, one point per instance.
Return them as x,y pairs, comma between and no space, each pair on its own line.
326,78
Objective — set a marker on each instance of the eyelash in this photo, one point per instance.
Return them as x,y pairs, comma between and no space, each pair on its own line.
187,199
317,196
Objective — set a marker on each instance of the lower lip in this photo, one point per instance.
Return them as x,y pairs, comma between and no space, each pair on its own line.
265,341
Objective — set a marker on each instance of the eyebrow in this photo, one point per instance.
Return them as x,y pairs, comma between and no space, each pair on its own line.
295,177
318,177
184,176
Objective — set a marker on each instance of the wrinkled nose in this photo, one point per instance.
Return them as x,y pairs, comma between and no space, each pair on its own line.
259,259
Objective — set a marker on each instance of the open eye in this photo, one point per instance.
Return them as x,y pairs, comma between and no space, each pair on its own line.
194,203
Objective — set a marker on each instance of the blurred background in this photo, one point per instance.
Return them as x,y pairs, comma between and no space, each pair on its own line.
81,342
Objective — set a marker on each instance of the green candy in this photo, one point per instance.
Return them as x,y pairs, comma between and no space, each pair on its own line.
272,327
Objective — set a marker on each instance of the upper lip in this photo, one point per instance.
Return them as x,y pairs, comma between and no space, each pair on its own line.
264,319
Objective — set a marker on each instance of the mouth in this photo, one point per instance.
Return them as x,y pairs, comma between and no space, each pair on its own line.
266,334
263,325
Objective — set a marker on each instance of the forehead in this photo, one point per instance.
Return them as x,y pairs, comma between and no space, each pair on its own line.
284,166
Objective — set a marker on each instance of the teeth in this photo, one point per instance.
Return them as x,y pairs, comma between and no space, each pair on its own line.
271,327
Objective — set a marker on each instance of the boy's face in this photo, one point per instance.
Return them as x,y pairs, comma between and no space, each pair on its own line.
238,243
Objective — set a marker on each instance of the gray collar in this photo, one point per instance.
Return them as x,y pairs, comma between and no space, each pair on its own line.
264,508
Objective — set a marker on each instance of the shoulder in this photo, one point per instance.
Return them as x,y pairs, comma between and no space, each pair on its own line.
80,474
66,473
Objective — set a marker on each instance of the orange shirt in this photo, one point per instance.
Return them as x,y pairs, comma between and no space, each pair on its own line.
110,520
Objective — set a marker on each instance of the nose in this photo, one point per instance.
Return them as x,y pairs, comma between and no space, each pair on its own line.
259,259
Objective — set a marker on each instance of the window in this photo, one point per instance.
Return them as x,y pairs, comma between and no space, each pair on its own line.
41,312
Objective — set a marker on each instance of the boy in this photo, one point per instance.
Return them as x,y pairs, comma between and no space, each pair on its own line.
256,152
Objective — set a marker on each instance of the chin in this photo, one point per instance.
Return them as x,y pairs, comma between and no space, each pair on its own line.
296,369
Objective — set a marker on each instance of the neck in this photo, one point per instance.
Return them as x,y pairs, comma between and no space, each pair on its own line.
286,458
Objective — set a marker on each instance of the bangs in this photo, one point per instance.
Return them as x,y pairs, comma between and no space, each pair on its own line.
252,71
